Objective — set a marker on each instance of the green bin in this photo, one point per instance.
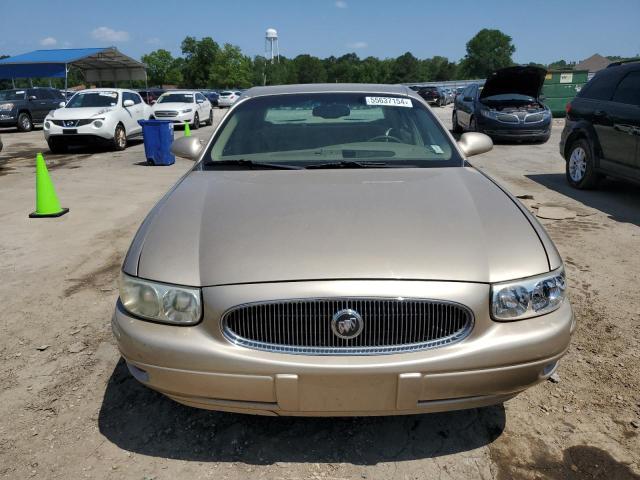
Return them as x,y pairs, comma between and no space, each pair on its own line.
560,86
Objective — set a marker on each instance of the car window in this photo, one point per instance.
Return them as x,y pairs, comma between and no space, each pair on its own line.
308,129
39,93
628,90
601,86
176,98
12,94
93,99
200,97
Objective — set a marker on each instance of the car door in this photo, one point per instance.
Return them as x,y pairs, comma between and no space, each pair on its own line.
39,103
624,112
203,110
133,113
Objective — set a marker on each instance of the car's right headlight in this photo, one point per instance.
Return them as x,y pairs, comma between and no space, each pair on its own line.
528,297
160,302
6,106
186,110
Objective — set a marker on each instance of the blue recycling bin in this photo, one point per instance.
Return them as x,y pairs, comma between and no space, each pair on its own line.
158,137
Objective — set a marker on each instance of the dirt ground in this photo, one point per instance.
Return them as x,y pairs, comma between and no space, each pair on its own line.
70,410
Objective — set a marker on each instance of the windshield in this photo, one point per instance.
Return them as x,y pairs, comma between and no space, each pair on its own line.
12,94
176,98
93,99
225,94
312,129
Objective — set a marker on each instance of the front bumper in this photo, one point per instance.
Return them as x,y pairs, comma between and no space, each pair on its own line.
197,366
513,131
8,118
83,134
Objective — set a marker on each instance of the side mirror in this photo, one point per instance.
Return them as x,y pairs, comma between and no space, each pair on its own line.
467,99
474,143
62,104
32,97
187,147
128,103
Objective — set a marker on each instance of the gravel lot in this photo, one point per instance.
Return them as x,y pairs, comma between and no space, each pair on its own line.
70,410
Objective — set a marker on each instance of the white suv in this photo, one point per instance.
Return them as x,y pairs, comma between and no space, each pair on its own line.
180,106
228,98
100,115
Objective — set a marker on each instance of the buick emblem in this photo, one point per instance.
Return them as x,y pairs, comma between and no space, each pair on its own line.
347,324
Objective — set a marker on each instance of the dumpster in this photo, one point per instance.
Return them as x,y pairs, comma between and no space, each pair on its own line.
158,137
560,86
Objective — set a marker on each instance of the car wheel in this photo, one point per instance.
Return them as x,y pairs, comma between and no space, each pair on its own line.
24,122
119,138
454,120
57,146
580,170
211,117
196,122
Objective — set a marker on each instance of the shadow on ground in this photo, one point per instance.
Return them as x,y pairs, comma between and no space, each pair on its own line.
618,199
142,421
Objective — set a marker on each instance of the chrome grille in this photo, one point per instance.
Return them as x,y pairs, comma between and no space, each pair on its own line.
534,118
165,113
507,118
389,325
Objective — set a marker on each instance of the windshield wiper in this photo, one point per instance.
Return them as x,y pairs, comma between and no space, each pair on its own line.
251,164
348,164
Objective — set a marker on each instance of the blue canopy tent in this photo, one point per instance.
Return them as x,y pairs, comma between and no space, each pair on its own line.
96,64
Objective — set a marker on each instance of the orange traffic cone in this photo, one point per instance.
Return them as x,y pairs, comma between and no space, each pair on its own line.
47,204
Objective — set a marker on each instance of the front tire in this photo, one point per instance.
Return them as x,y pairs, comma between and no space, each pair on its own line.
454,120
196,122
473,125
24,122
580,168
119,138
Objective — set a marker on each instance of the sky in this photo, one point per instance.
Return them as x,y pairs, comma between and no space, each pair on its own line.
542,30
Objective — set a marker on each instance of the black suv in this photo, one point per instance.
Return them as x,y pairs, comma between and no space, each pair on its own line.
601,133
24,107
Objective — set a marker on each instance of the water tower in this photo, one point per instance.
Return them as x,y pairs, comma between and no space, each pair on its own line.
271,47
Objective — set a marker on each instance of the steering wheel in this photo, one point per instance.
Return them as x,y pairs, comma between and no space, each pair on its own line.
385,138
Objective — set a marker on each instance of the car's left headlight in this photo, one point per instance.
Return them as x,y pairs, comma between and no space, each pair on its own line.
186,110
487,113
160,302
528,297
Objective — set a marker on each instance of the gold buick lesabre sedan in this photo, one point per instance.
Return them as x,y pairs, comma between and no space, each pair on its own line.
332,253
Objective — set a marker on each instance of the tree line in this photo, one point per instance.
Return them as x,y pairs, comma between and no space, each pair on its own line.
206,64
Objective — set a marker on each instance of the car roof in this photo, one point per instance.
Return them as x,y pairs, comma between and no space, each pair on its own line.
330,88
120,90
182,91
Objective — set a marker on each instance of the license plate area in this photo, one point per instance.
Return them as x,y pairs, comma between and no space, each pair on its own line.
69,131
344,393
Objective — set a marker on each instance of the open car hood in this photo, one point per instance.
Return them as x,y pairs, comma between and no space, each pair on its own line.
519,80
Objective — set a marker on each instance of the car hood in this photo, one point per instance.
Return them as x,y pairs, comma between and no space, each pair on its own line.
520,80
78,113
226,227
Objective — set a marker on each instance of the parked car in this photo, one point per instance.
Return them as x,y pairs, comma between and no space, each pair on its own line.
507,107
601,135
457,92
332,253
25,107
212,96
184,106
1,144
151,95
228,98
449,97
433,95
107,116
